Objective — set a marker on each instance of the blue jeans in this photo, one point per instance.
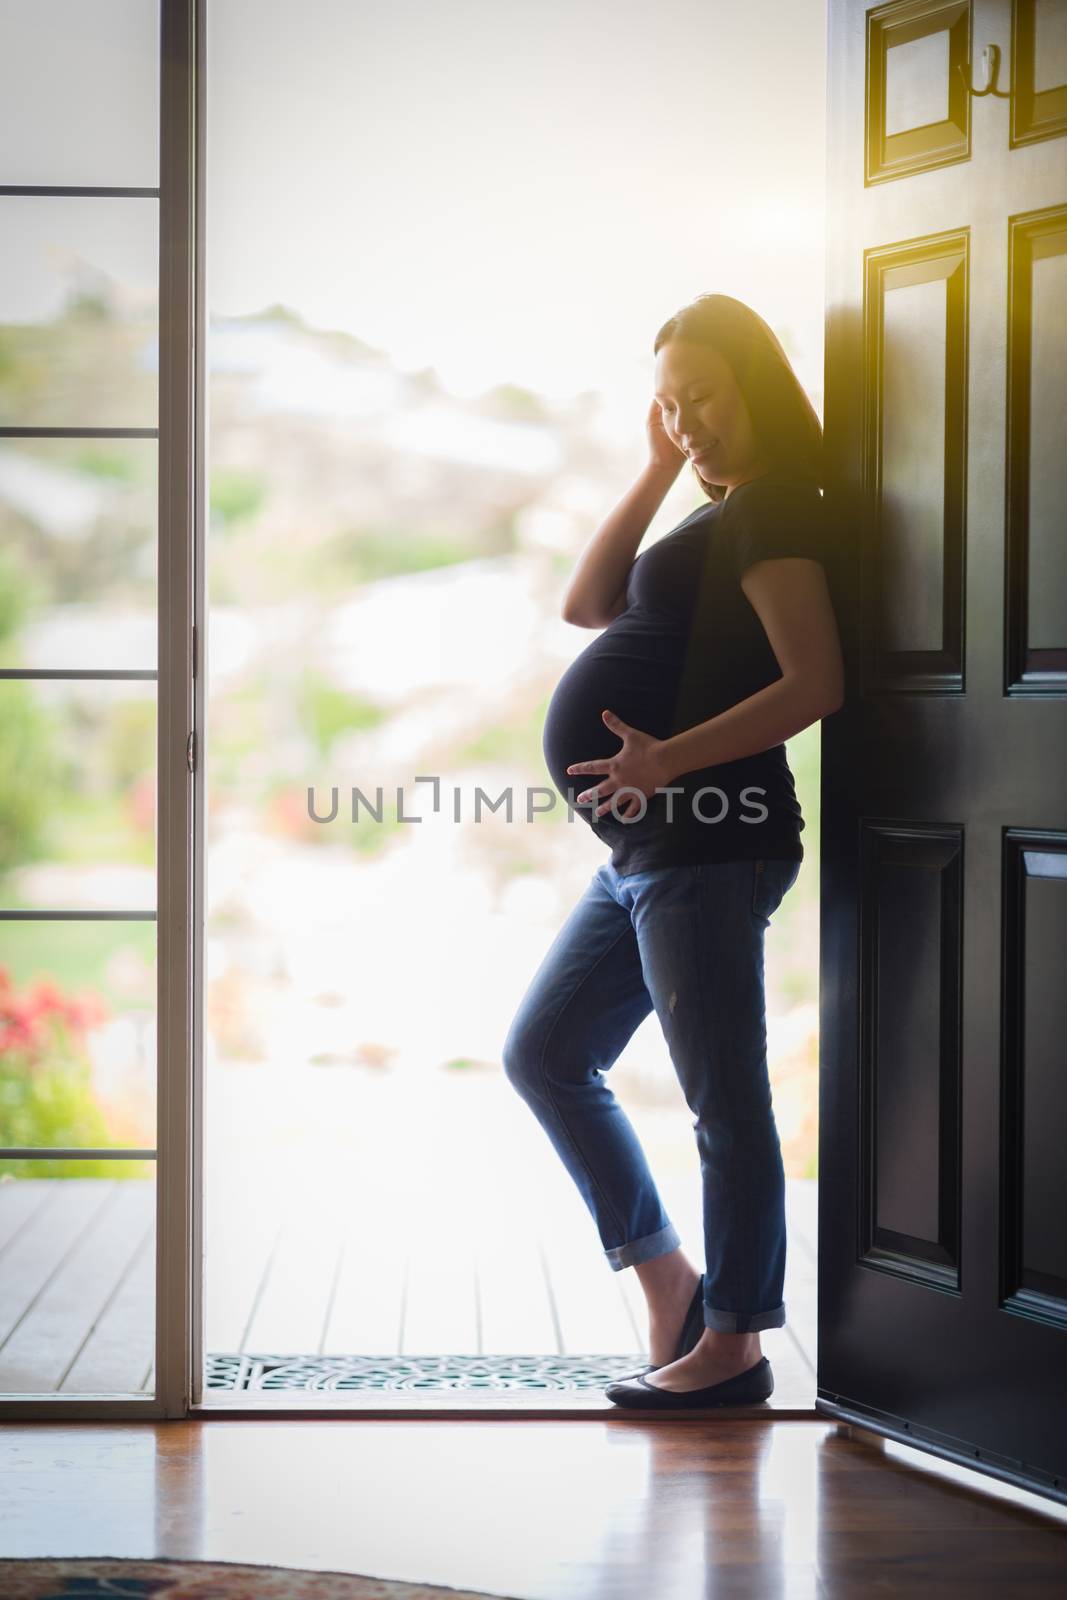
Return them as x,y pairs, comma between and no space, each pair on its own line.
689,942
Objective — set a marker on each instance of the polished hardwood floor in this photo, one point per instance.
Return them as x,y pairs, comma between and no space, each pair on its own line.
626,1509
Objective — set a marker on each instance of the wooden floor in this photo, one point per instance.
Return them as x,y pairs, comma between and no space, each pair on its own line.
624,1509
290,1270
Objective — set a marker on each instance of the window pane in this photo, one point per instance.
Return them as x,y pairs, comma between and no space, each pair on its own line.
78,553
77,1293
78,312
77,1034
79,93
78,794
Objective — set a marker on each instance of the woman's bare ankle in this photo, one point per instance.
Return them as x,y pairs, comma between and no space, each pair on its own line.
667,1278
730,1346
669,1282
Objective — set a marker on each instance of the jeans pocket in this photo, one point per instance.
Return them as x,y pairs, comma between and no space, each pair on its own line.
770,881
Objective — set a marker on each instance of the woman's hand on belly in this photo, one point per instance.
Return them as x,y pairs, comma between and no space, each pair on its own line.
639,766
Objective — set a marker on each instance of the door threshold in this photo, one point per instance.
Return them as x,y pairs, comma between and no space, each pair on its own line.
437,1408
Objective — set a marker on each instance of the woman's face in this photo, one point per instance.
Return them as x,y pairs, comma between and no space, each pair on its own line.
704,412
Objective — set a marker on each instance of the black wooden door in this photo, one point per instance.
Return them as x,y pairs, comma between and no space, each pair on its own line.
943,1140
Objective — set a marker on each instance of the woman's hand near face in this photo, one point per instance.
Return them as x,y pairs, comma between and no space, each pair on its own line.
665,455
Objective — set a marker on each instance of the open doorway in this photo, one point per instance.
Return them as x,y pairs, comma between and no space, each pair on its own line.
439,243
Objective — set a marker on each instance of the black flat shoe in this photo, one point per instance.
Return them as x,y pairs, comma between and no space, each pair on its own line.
689,1338
693,1326
744,1389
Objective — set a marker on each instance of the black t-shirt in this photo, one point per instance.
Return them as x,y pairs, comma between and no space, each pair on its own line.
688,646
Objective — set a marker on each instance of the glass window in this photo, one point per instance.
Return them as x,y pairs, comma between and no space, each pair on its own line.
78,553
79,93
78,312
78,794
77,1033
77,1293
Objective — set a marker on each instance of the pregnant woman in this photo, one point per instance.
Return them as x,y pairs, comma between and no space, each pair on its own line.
666,735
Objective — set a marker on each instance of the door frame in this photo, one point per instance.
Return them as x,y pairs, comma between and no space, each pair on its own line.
180,792
179,704
180,765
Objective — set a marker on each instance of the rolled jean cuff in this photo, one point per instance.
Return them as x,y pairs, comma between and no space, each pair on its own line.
653,1244
743,1321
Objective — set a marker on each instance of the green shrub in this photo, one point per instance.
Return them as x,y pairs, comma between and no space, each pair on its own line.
27,777
366,554
326,712
236,496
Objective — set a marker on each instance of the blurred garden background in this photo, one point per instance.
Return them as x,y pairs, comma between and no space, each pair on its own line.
385,576
425,390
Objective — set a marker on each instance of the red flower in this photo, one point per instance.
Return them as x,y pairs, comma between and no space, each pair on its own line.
28,1023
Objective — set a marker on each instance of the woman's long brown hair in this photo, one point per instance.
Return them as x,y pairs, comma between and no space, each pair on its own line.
787,428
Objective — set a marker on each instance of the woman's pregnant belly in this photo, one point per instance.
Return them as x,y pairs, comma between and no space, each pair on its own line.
632,670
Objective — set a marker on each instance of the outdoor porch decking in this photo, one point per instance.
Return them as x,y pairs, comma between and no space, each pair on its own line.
286,1275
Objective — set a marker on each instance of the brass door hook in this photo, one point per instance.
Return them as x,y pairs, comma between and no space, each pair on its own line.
990,59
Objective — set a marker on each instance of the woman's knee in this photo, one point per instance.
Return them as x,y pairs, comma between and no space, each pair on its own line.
520,1056
747,1124
537,1055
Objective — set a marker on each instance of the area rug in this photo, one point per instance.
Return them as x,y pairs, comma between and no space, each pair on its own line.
96,1578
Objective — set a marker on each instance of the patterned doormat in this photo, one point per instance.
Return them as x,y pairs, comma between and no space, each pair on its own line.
106,1578
426,1374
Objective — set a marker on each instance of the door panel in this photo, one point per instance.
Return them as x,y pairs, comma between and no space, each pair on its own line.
1035,1104
910,1103
1036,459
1039,70
918,110
944,853
916,459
